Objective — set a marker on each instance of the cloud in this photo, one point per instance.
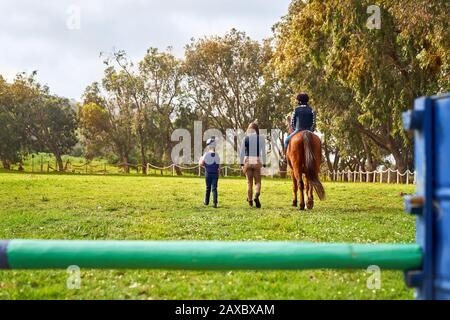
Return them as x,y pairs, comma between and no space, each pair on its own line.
39,35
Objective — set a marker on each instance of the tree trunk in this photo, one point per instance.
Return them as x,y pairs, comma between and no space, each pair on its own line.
390,144
6,164
400,163
327,156
59,162
397,151
142,150
126,167
337,157
66,166
370,163
143,160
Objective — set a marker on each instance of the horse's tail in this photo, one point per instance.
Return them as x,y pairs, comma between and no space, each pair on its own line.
310,164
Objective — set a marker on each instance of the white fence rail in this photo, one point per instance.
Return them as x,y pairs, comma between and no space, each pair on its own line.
377,176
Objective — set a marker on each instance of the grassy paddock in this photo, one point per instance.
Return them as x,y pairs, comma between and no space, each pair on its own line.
130,207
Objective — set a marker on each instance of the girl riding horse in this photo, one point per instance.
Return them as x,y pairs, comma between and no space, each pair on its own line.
303,153
303,118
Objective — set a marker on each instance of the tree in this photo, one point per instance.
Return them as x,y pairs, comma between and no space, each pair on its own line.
134,106
95,129
51,122
276,102
224,78
370,75
231,82
34,120
106,120
128,84
11,134
161,74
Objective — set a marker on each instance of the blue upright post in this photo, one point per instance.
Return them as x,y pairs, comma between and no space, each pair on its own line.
431,121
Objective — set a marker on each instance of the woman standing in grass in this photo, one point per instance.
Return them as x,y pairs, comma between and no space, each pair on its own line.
253,158
211,162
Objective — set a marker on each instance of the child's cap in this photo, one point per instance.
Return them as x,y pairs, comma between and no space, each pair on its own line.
211,142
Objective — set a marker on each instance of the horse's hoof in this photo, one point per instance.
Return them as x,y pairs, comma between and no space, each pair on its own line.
310,205
294,203
302,208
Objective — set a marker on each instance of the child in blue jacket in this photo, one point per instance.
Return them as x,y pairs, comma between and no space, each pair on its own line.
211,162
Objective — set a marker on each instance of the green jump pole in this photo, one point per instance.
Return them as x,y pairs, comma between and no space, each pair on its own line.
205,255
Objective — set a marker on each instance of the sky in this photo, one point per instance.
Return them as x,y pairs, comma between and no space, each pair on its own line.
62,39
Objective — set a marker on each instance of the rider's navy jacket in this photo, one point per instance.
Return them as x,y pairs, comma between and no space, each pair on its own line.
303,118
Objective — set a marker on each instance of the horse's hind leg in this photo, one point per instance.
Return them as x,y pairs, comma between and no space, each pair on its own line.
309,195
294,191
302,193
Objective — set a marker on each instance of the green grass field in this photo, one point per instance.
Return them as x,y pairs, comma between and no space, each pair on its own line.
131,207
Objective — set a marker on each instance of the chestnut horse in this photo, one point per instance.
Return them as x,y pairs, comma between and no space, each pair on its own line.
304,155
